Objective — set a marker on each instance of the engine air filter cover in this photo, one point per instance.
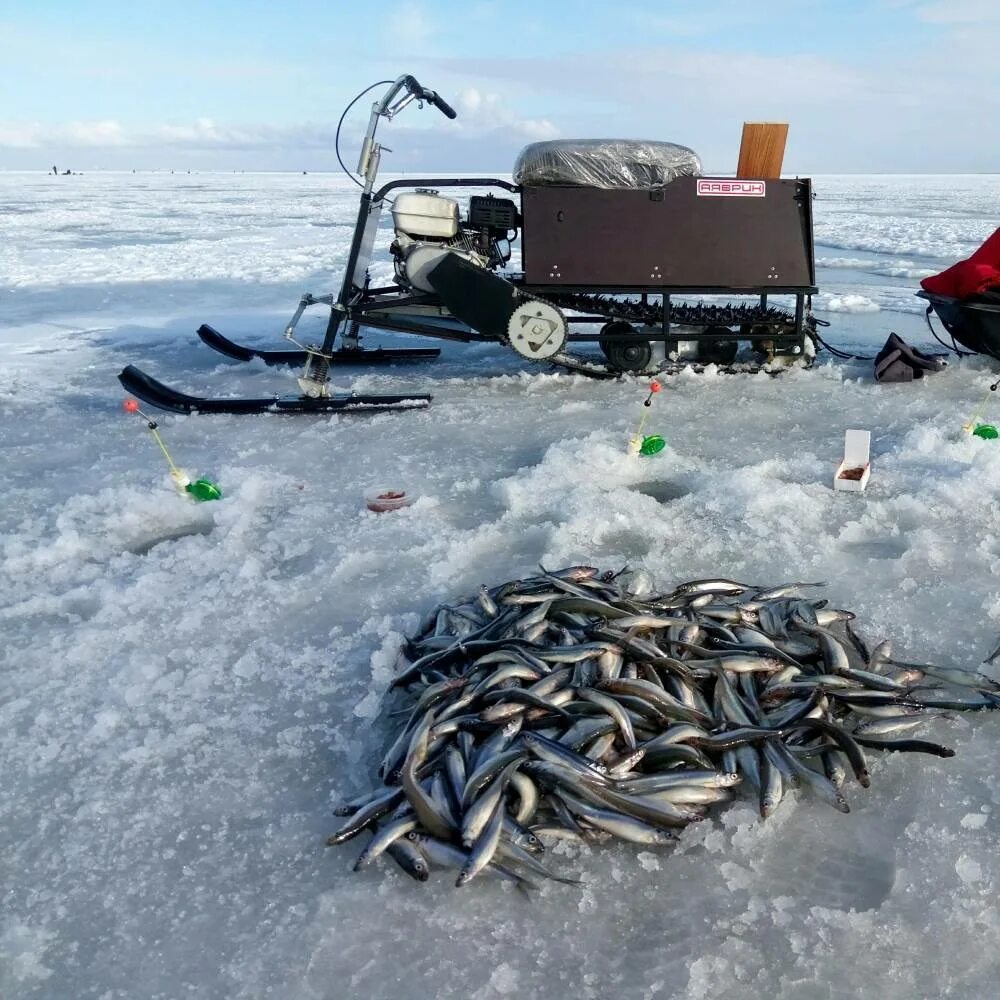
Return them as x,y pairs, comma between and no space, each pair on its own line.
497,213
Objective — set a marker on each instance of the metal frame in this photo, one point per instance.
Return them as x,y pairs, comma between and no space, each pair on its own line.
357,304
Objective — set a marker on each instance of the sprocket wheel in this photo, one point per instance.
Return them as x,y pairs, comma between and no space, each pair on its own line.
537,330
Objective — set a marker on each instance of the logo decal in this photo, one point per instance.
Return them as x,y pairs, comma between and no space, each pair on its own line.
731,188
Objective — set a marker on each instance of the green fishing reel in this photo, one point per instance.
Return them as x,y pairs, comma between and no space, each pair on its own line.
203,489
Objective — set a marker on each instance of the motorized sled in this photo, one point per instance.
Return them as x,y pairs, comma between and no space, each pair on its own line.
612,234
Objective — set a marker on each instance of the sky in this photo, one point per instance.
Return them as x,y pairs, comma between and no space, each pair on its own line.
905,86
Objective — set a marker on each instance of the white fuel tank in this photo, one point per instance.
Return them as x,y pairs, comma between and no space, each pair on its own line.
421,213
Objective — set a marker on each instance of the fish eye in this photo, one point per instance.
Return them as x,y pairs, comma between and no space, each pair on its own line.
412,835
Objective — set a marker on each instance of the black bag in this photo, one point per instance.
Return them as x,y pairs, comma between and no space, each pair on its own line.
898,362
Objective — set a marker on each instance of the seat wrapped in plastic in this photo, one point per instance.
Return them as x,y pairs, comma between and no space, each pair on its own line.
604,163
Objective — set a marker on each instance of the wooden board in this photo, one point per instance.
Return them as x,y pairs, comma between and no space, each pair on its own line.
762,149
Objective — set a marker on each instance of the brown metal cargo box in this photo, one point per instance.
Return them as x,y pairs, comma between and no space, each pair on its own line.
696,232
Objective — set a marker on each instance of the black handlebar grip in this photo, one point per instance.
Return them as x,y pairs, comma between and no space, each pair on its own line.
413,86
442,105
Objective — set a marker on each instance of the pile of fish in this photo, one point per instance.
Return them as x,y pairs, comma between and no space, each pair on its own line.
575,705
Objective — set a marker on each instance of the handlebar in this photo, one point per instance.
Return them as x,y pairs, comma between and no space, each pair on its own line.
431,96
441,104
390,105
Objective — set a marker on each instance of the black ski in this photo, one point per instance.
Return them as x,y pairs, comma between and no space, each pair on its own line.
149,390
345,356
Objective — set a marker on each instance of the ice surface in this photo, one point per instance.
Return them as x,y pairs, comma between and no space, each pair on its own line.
185,689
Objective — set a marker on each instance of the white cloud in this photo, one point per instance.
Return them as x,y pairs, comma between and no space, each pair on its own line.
33,135
960,12
690,19
103,133
845,113
480,114
486,136
112,134
478,111
203,130
18,137
470,101
408,25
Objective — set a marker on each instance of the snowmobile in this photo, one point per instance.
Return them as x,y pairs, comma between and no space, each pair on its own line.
612,234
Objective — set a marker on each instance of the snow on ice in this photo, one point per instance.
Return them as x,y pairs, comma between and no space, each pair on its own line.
186,689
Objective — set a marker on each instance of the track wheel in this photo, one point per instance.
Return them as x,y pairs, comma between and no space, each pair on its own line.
627,355
719,351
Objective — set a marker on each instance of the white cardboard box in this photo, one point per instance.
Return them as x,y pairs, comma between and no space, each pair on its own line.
857,450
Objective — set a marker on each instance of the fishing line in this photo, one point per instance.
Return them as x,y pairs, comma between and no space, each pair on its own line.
131,406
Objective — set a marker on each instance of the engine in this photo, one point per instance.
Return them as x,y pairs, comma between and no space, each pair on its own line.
428,226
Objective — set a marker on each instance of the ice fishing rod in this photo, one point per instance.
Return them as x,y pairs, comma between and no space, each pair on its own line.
652,444
975,425
199,489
